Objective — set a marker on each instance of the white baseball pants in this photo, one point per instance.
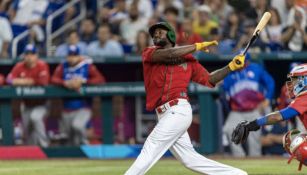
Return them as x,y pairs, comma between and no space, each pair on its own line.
74,125
171,133
34,126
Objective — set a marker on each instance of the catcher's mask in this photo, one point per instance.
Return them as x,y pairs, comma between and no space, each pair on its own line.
298,80
171,35
298,149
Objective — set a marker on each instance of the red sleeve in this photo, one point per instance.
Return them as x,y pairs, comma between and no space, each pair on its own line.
300,104
43,75
146,54
200,74
2,79
14,73
57,77
95,77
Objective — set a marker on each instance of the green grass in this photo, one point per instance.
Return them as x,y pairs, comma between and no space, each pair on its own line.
116,167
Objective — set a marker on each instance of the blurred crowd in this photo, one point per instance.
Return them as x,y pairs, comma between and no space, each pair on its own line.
119,27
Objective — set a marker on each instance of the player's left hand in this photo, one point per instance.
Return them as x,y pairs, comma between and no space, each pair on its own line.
237,63
76,83
240,133
204,45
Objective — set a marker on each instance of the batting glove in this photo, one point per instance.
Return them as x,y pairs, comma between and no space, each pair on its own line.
204,45
237,63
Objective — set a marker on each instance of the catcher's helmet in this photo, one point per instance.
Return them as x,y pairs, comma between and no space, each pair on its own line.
171,35
298,149
299,74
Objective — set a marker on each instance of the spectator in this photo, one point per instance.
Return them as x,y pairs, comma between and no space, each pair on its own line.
231,33
142,41
248,30
271,36
131,26
162,5
271,138
171,16
258,9
203,24
232,28
32,72
24,15
105,46
72,74
88,30
188,36
6,37
221,10
283,7
53,6
72,39
144,7
248,91
113,15
4,7
294,34
188,8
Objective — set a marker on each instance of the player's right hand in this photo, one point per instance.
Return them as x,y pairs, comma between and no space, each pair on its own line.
204,45
237,62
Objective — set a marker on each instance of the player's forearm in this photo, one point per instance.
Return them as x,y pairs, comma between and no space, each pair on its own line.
286,36
273,118
219,75
168,54
22,81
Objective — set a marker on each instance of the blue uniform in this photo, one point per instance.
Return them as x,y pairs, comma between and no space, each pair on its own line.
80,70
247,88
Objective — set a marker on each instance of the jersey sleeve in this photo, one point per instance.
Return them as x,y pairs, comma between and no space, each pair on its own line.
300,104
57,77
200,74
95,77
14,73
147,53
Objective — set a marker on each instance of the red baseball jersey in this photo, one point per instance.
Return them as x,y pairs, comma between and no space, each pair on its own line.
167,82
39,73
300,105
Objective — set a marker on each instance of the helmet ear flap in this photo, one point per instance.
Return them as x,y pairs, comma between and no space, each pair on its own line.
172,37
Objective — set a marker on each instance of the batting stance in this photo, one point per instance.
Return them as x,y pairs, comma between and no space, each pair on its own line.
297,90
168,71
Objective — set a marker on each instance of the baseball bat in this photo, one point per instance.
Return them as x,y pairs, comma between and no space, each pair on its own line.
262,23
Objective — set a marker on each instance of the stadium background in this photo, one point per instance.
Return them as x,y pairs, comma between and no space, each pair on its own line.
123,66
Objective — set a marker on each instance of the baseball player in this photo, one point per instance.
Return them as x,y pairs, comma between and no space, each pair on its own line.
246,90
168,71
30,72
297,90
71,74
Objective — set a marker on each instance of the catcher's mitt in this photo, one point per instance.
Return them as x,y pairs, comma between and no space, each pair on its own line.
240,133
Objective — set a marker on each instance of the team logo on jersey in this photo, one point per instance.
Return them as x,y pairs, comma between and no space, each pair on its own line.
184,66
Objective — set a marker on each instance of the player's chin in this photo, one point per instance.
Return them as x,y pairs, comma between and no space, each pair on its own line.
160,42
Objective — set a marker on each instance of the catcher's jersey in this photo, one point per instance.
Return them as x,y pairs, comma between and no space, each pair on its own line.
300,105
168,82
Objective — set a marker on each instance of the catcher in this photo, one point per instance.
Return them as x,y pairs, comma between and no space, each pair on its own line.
294,142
